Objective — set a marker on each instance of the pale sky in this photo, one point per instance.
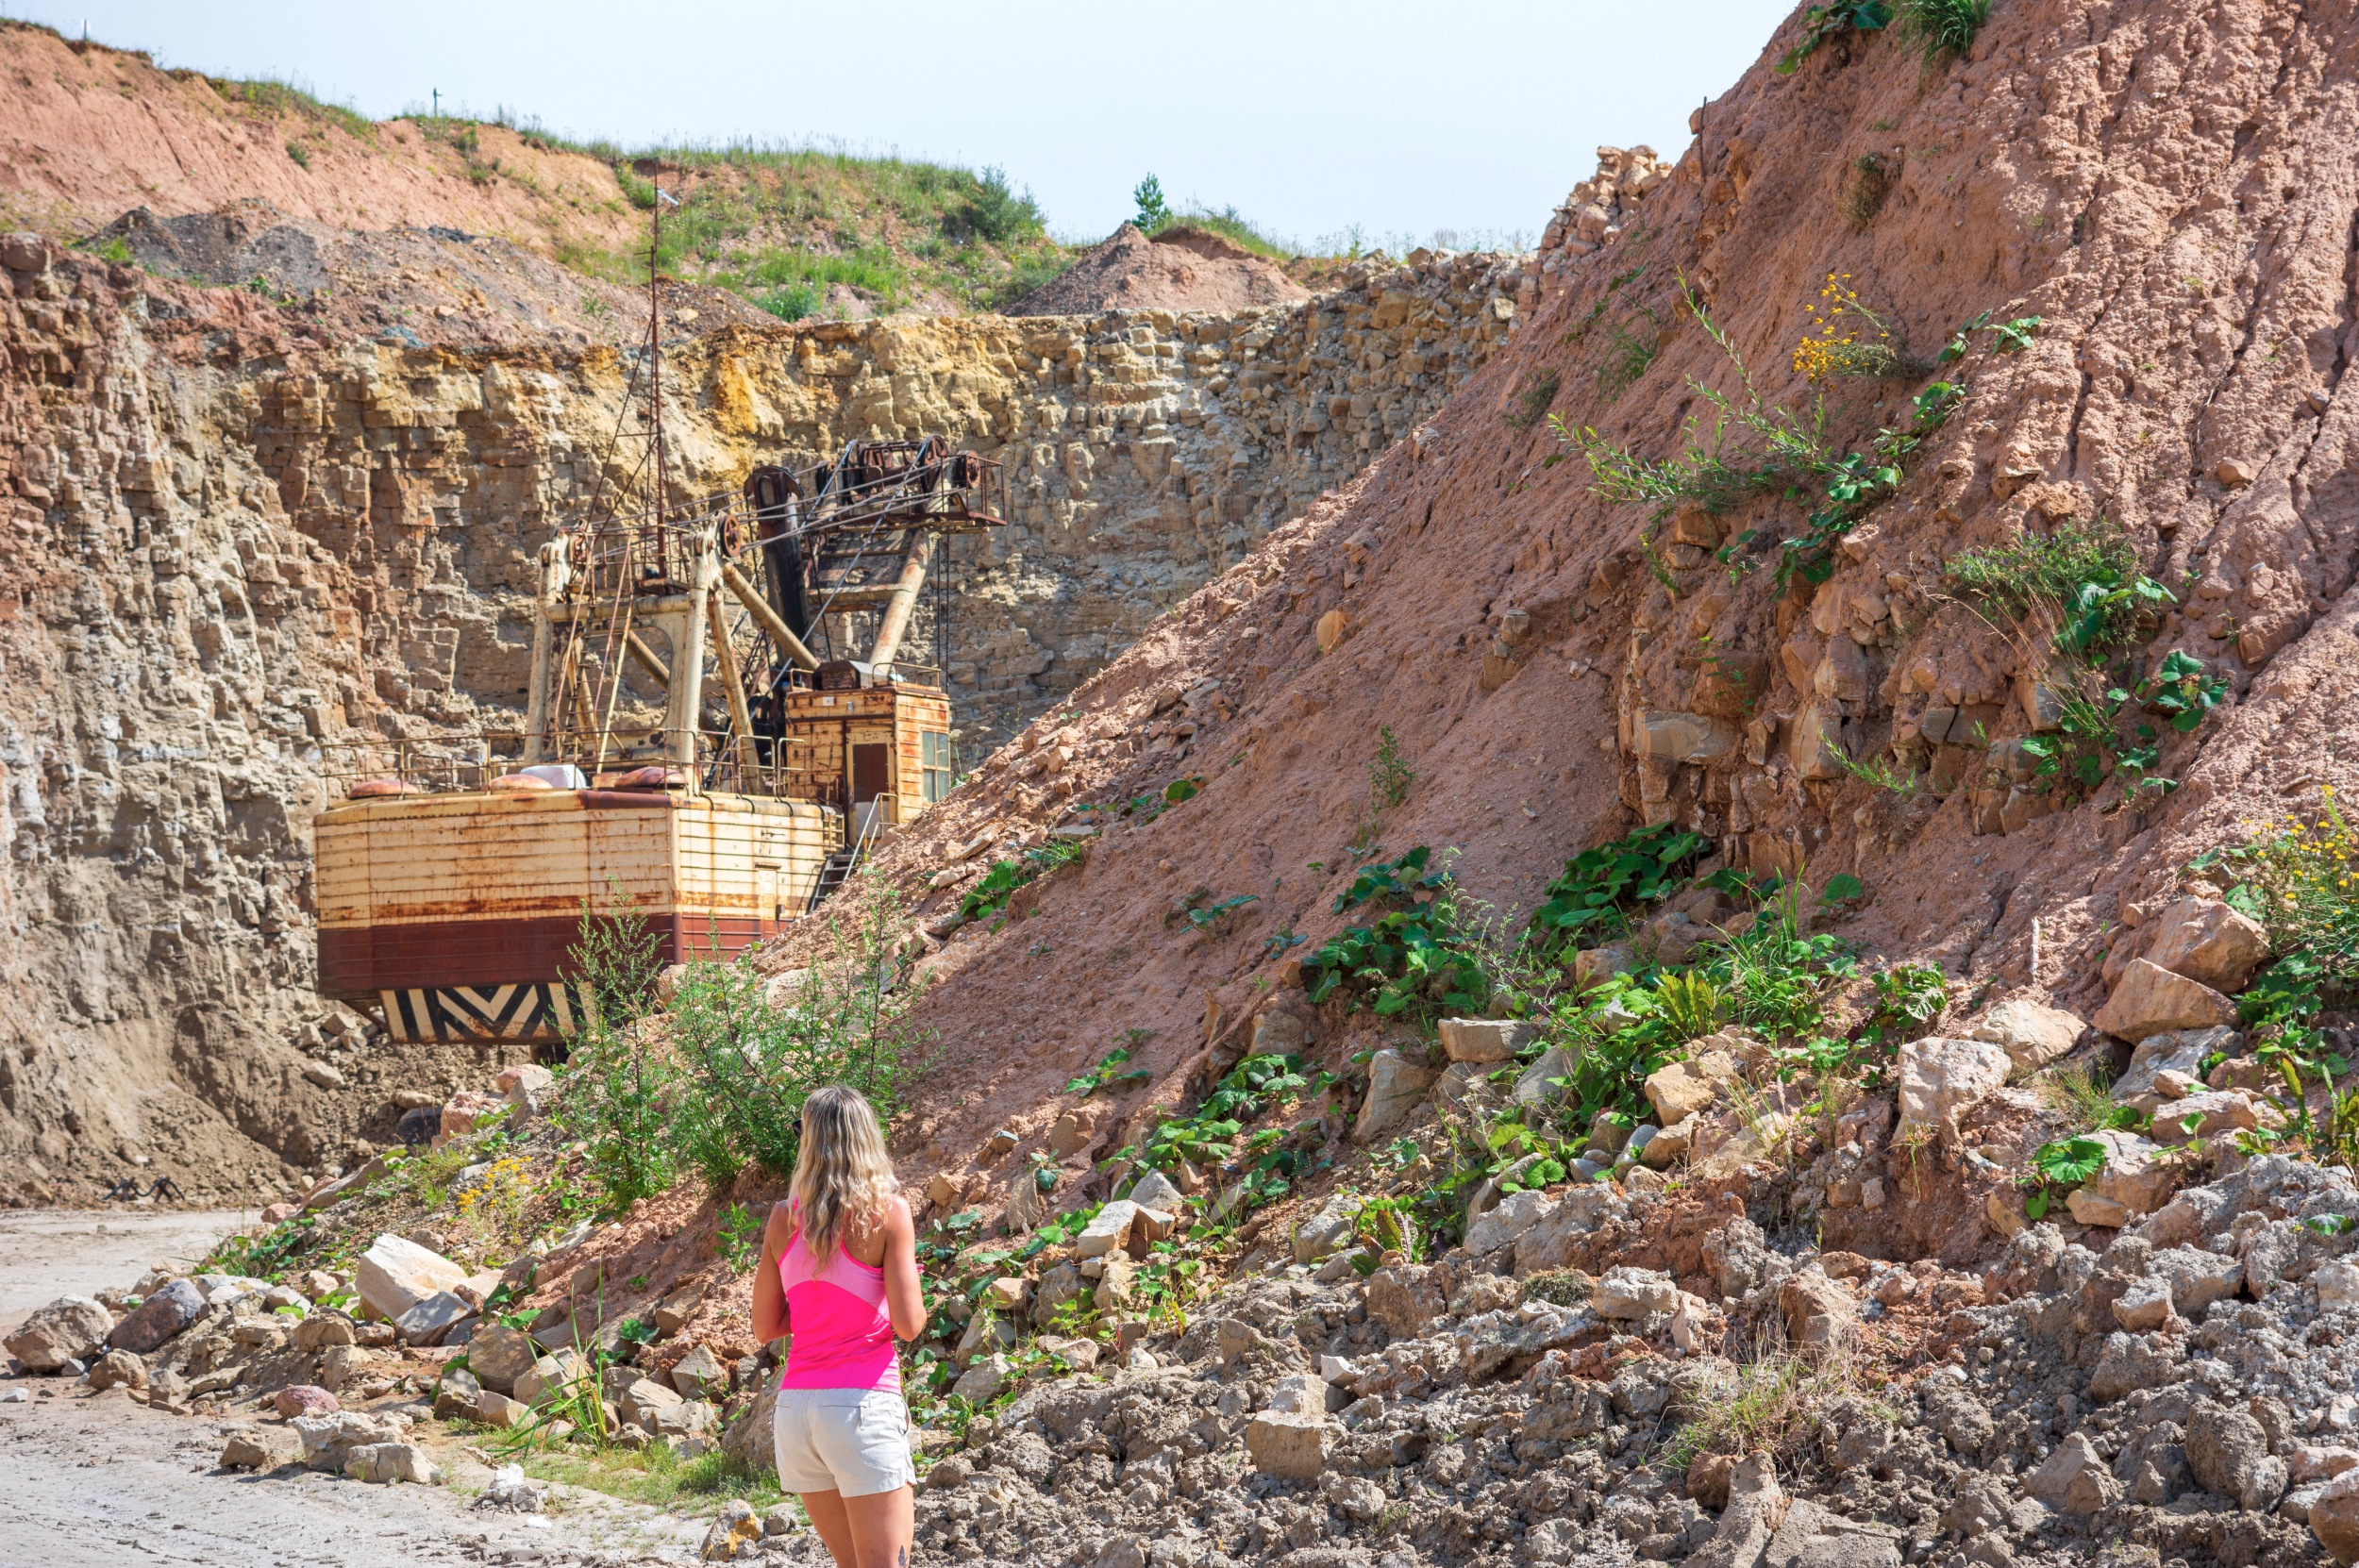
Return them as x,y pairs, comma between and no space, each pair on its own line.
1307,117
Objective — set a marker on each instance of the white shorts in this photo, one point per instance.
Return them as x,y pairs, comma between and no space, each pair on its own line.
851,1441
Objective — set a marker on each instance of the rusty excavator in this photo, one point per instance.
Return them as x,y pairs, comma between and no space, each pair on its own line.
454,876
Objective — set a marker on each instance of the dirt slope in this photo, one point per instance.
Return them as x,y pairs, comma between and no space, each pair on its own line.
2174,198
88,132
1183,268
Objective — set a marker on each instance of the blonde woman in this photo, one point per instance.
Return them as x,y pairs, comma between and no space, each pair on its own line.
839,1268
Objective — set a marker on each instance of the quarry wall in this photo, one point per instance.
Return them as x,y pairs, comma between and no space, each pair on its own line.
233,559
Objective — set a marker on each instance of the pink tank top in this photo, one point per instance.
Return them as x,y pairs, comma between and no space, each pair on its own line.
842,1332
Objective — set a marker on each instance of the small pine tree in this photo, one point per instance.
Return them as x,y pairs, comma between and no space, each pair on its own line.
1154,212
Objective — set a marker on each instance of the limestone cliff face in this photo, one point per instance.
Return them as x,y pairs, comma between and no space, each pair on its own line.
232,561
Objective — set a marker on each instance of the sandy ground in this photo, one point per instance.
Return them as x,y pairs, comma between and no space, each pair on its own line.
46,1252
93,1478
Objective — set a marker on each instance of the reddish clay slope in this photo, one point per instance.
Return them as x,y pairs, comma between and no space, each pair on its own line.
2172,194
87,133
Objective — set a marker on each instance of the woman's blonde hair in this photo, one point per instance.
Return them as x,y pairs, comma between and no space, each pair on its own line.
841,1172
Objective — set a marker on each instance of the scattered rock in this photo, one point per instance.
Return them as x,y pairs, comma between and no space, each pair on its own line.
2207,942
382,1464
396,1275
430,1321
979,1382
1485,1039
327,1439
2031,1035
2229,1452
699,1375
304,1399
2074,1480
1631,1293
2151,1000
1288,1446
172,1307
1943,1080
71,1328
117,1369
2335,1517
499,1355
262,1448
2173,1052
1398,1081
1507,1220
1818,1311
736,1526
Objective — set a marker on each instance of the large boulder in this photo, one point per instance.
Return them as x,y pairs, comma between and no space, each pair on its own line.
2151,1000
1398,1081
2031,1035
71,1328
2205,940
1942,1079
171,1307
396,1275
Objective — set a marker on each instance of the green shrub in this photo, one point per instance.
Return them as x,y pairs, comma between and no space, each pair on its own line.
997,213
1601,888
1153,212
616,1089
792,303
1414,958
2086,573
747,1064
302,158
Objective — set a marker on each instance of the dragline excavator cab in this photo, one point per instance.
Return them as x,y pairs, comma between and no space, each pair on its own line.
793,727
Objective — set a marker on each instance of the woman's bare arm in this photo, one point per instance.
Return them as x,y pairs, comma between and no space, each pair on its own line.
905,1299
769,1293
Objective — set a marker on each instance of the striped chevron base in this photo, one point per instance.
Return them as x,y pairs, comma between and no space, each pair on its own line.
528,1011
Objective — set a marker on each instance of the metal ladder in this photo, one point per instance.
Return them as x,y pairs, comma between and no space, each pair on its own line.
838,868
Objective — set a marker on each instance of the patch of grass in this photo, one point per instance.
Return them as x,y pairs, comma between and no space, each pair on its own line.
301,156
1531,400
1627,357
1865,189
2085,574
1389,776
1940,29
657,1477
266,95
1558,1287
1774,1401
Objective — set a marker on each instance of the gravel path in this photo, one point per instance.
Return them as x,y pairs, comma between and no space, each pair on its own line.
46,1252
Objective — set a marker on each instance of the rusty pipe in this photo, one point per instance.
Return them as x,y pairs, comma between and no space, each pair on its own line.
897,610
767,617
